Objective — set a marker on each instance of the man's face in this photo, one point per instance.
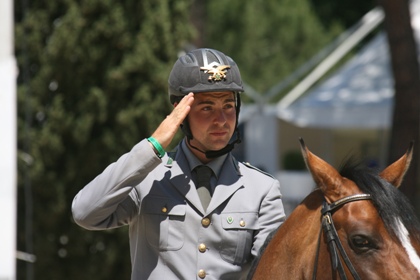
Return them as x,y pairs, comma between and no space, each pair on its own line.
212,120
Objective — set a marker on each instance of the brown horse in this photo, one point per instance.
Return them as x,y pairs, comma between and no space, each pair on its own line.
354,225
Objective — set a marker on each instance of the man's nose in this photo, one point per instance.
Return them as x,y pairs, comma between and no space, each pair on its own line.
220,116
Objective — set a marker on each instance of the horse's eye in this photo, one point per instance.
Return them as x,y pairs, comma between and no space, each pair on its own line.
361,243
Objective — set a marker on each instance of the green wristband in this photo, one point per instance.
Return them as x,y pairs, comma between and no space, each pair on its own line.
158,147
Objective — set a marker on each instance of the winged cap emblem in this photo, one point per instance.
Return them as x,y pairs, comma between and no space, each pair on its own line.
216,71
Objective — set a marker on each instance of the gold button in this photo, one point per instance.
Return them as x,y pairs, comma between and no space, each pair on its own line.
164,209
202,247
205,222
202,273
242,223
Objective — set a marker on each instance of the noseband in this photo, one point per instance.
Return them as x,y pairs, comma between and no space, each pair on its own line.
333,240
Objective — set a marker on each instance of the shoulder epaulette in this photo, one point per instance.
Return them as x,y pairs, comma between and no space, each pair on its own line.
247,164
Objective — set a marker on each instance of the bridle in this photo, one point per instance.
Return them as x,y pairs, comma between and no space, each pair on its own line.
333,240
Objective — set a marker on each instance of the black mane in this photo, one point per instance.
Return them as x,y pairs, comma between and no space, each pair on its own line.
391,204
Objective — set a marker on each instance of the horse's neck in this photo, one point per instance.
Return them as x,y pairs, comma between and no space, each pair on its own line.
303,225
295,244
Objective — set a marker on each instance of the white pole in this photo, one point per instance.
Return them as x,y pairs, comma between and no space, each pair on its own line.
8,73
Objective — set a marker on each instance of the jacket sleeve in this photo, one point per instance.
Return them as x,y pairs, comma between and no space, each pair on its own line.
271,216
110,200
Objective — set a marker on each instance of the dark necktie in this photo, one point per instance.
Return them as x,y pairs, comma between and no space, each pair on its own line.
203,184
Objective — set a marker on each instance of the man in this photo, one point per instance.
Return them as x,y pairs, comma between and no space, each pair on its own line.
181,227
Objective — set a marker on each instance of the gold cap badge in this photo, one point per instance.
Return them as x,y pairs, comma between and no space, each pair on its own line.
217,72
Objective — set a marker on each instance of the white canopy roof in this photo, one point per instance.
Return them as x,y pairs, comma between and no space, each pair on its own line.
358,95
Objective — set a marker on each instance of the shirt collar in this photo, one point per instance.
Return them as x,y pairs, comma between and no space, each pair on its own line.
216,163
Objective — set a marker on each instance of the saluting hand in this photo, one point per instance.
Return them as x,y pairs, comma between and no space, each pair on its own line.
169,126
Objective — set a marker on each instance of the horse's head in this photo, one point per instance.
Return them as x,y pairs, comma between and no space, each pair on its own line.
369,230
375,234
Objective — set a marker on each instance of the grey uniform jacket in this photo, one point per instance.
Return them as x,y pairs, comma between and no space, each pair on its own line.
171,236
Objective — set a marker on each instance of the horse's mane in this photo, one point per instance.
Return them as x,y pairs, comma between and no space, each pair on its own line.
391,204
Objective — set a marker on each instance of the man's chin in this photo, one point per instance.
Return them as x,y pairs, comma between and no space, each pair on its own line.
210,145
218,146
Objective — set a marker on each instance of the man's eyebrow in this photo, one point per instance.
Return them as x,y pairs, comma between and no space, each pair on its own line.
227,100
209,101
206,102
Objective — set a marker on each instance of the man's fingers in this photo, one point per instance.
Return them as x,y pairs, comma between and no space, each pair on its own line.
169,126
182,109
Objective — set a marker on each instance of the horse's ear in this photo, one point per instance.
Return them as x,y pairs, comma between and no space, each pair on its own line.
394,173
325,176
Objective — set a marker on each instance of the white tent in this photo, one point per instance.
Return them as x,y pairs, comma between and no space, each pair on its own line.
358,95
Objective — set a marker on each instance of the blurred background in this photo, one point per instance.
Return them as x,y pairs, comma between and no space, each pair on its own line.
90,81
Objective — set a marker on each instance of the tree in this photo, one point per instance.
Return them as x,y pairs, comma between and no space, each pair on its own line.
96,85
341,13
405,67
270,39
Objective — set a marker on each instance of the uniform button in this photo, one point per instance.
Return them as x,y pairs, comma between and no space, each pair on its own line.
202,247
242,223
164,209
205,222
202,273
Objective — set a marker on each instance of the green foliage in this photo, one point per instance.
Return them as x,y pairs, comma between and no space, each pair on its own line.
344,12
271,39
98,85
268,39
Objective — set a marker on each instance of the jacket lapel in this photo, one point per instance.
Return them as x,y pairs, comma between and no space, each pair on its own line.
182,181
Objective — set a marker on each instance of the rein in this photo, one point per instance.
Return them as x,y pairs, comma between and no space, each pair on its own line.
333,240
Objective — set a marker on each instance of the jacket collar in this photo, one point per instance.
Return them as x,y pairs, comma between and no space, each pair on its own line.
229,181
